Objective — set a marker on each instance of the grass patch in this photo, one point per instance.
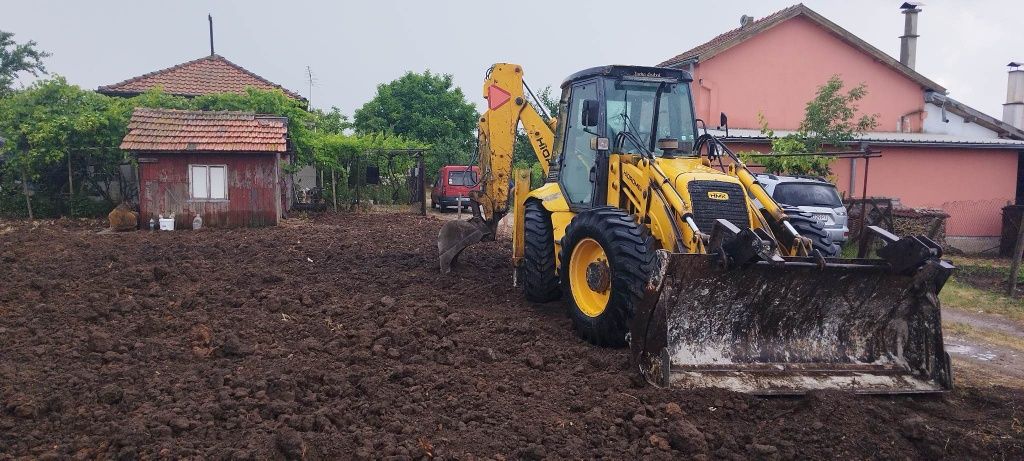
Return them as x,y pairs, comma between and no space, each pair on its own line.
997,338
958,295
998,269
850,248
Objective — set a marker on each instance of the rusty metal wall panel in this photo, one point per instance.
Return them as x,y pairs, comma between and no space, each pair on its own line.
164,189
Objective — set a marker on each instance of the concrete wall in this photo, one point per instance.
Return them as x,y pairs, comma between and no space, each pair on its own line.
780,69
953,125
971,185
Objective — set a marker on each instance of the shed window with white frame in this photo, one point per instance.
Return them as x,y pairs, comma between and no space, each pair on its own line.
208,182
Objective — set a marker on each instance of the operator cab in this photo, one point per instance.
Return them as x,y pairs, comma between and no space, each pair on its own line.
645,111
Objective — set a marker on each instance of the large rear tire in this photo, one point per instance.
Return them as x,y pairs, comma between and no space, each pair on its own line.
537,270
807,226
606,259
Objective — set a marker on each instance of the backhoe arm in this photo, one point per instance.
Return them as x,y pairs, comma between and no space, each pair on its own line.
507,107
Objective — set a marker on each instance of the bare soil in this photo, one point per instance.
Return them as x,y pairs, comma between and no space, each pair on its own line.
338,338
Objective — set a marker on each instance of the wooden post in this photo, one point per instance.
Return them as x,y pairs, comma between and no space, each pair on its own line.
71,188
277,188
862,251
422,184
360,175
24,189
1017,250
334,188
933,229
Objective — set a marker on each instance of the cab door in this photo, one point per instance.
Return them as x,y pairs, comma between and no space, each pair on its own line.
579,170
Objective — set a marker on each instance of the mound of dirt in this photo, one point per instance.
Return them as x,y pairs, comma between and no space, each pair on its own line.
338,338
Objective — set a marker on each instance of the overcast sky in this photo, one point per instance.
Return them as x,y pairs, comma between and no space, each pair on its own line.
353,46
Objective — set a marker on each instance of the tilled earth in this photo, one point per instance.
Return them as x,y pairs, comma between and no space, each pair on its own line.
338,338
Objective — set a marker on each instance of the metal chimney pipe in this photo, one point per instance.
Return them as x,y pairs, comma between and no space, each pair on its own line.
1013,110
908,41
210,18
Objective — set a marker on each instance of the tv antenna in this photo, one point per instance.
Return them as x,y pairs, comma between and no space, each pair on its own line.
311,80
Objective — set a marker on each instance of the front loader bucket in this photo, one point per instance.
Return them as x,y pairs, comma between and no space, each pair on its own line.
791,327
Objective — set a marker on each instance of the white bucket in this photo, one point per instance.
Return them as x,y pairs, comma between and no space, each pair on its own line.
166,224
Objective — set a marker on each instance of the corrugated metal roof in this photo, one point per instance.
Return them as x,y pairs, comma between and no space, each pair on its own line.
885,138
166,130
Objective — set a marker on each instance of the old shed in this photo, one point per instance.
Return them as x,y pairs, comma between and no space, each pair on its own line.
224,166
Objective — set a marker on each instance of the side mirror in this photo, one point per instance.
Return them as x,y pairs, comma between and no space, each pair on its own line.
724,119
589,115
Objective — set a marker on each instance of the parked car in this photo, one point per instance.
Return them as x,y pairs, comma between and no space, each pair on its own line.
811,195
454,182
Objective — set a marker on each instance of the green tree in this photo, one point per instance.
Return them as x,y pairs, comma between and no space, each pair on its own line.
424,107
16,58
348,154
331,121
63,141
830,122
56,132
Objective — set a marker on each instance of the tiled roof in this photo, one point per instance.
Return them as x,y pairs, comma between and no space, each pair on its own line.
734,37
206,75
166,130
885,138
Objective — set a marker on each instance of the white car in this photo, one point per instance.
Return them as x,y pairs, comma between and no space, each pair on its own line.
811,195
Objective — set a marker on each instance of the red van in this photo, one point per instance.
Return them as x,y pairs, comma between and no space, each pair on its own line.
454,182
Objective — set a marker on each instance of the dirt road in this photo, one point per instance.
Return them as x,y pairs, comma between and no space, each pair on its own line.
988,345
338,338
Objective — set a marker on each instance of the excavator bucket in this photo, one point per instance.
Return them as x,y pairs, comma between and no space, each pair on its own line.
455,236
792,325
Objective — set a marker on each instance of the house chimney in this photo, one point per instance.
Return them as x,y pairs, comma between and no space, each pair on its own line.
908,41
746,21
1013,110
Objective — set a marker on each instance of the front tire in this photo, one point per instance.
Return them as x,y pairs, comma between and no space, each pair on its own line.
606,259
537,270
807,226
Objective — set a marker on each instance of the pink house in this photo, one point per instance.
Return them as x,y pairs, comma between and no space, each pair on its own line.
936,151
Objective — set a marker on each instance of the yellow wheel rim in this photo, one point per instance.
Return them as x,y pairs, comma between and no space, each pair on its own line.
590,277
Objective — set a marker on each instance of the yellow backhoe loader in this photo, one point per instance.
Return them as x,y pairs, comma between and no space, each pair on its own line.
659,237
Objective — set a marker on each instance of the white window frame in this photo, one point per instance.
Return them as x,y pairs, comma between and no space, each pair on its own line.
207,197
